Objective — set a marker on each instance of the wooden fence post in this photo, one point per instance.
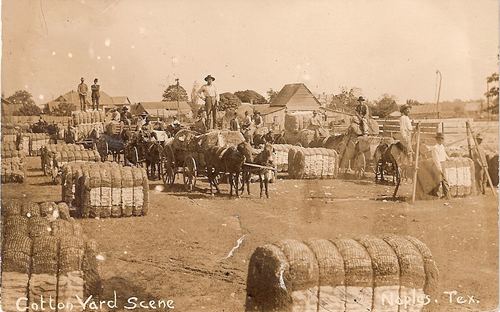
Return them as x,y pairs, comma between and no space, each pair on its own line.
485,166
415,174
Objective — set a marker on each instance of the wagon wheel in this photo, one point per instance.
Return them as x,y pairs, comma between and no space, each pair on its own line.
189,173
360,165
168,174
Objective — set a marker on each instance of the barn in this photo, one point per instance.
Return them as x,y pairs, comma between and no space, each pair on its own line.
296,97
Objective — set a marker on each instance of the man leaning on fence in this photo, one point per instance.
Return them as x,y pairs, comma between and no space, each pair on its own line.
480,165
406,129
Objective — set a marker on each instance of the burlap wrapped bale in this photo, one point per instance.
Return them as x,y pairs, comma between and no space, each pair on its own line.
70,254
332,294
30,209
366,274
11,208
90,268
411,266
106,196
145,189
138,191
69,286
460,173
61,228
116,192
45,209
45,253
16,253
127,191
14,286
15,225
42,285
38,226
94,189
430,267
385,272
63,211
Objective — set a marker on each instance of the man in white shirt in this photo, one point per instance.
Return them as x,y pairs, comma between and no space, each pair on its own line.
208,92
406,128
438,156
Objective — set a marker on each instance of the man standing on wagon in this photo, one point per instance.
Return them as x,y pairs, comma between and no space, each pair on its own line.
208,92
362,114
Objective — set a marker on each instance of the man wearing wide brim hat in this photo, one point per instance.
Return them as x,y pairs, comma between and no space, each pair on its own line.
208,93
362,114
439,155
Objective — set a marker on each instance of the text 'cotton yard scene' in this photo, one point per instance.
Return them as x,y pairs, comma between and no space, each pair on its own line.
249,156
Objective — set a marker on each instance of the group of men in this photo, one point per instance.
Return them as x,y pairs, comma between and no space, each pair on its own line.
82,94
439,154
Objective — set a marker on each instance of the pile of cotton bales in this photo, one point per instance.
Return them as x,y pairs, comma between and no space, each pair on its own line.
312,163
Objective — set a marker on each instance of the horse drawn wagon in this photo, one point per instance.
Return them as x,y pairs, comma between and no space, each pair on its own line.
187,152
114,139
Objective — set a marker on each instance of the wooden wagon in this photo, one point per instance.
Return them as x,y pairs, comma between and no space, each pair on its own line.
185,155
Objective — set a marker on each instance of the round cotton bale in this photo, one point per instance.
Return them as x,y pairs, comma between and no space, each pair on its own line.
127,191
72,156
15,225
116,192
16,253
71,254
38,226
105,193
45,209
61,228
94,190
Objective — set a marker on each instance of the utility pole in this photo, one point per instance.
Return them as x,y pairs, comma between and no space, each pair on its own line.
488,97
439,91
177,85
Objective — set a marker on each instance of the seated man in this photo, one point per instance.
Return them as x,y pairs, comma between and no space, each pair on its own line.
234,124
438,156
257,120
175,123
125,116
315,124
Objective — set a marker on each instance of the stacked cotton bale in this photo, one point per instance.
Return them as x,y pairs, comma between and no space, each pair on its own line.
92,117
108,191
13,164
83,131
77,155
221,138
312,163
44,253
48,153
364,274
281,156
71,172
459,171
36,142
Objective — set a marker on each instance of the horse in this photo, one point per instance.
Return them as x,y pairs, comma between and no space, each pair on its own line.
226,160
390,159
134,150
264,158
153,156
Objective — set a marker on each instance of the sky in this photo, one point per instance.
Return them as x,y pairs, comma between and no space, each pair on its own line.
138,47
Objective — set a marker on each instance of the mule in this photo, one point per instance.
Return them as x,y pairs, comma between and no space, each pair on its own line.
226,160
264,158
390,159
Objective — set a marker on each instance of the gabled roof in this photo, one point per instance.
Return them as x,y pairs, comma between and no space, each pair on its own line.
266,109
288,91
120,100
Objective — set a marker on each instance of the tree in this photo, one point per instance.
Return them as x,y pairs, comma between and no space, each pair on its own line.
271,95
250,96
64,109
25,98
492,93
346,99
228,101
385,105
412,102
171,94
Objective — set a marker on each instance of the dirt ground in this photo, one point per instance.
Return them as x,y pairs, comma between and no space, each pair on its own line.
180,250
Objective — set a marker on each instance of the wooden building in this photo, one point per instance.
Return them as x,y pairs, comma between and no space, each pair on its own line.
296,97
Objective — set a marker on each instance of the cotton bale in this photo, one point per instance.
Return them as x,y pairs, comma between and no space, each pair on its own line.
116,192
138,191
106,197
14,286
127,191
369,273
16,253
